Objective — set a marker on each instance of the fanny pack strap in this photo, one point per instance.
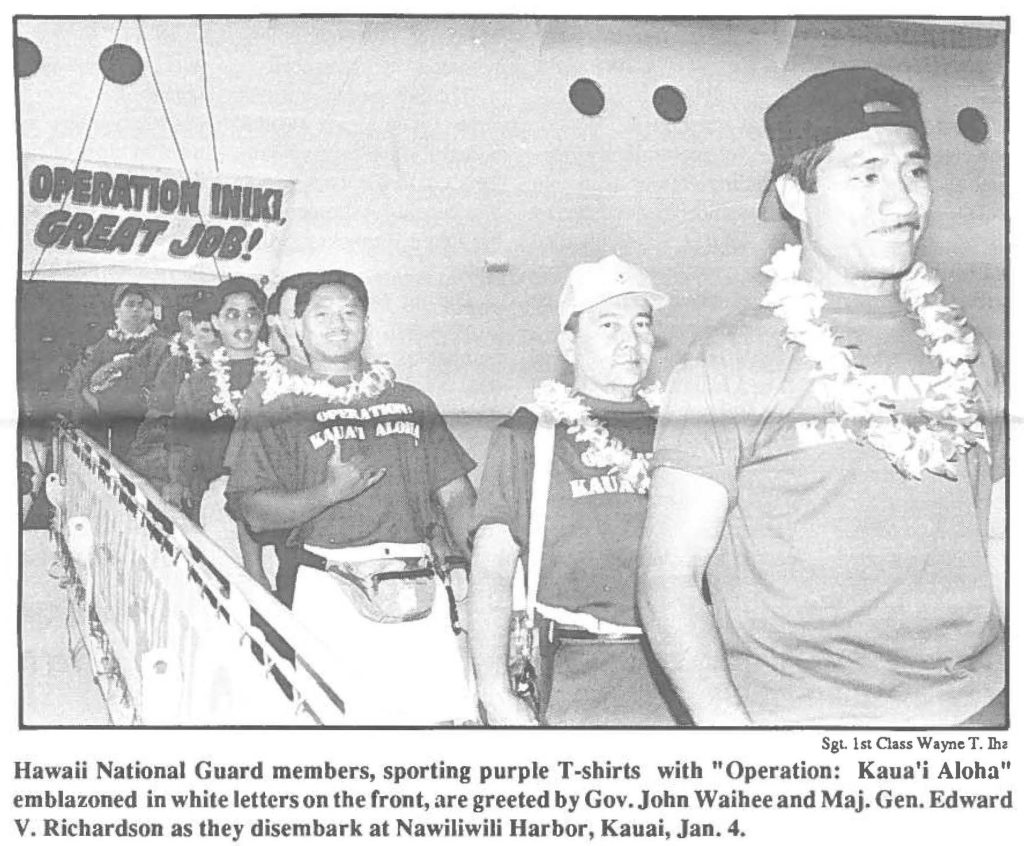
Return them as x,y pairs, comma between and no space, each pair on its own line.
376,578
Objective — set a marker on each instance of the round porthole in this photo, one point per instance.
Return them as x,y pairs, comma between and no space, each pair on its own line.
586,97
121,64
669,103
27,57
972,125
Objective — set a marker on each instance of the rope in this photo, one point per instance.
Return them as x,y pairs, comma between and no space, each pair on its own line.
170,125
206,96
81,151
160,97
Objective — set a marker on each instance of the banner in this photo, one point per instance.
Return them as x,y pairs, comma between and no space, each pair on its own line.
116,222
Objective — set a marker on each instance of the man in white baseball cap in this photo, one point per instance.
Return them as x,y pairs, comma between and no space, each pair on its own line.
594,282
580,580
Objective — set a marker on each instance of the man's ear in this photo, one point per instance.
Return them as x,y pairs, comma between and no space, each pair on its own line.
567,345
215,322
792,196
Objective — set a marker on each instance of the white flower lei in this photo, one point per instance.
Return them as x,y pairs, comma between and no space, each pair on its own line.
187,348
224,398
118,334
378,377
561,405
950,423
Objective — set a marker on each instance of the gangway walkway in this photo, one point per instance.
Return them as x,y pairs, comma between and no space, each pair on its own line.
57,683
157,614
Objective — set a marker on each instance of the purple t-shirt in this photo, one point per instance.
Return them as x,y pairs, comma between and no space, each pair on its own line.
125,396
285,444
844,592
192,430
594,519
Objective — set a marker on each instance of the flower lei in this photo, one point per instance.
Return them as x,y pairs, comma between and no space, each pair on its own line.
378,377
224,398
118,334
187,348
561,405
947,423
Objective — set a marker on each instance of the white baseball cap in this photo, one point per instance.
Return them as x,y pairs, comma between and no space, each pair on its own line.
594,282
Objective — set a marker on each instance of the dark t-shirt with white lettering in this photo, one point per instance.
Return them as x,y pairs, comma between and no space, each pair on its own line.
284,444
200,428
594,518
844,592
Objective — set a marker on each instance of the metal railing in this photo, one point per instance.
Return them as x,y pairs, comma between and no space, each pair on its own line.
167,614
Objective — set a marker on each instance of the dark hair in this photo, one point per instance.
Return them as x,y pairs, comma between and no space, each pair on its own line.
203,305
803,168
289,283
127,290
238,285
311,282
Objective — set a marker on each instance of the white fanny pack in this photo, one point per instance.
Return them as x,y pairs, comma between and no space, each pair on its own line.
386,582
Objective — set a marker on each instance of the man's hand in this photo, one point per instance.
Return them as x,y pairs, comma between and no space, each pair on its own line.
276,508
177,495
348,479
506,709
106,375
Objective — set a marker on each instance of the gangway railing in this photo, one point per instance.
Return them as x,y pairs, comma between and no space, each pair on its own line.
166,614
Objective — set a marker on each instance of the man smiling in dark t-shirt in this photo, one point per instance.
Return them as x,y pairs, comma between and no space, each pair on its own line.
358,467
599,667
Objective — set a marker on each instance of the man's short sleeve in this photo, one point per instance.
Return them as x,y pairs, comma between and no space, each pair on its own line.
165,386
256,455
698,430
446,459
504,493
186,422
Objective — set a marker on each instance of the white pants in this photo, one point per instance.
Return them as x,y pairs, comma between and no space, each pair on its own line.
223,530
412,673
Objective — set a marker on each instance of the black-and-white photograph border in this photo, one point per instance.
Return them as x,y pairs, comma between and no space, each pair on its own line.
465,371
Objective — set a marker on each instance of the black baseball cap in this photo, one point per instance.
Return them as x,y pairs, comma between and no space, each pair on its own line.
832,105
307,283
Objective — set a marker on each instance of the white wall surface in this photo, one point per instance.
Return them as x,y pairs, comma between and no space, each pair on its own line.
421,147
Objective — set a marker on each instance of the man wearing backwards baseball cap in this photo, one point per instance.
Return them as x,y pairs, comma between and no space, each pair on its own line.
601,667
845,438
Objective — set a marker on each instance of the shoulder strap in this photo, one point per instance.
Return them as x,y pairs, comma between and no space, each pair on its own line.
543,453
